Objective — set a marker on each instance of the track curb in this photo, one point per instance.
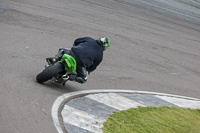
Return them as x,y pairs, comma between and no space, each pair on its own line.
63,99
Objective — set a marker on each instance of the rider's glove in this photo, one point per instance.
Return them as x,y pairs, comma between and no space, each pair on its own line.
72,77
80,80
82,75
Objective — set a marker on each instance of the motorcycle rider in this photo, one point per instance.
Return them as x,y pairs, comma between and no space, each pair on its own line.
88,54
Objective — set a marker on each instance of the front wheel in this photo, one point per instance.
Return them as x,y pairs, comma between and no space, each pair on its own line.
50,72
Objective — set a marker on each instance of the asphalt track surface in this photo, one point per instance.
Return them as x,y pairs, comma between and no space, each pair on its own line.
153,49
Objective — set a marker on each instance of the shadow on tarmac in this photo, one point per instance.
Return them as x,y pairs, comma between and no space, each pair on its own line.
58,87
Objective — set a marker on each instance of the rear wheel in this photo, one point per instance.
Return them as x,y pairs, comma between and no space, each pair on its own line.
50,72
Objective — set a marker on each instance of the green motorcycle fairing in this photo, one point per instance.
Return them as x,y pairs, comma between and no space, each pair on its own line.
69,63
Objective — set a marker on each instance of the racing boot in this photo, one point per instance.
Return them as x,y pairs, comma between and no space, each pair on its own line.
51,60
58,56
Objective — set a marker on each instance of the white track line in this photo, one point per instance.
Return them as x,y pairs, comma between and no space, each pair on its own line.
82,119
115,101
182,102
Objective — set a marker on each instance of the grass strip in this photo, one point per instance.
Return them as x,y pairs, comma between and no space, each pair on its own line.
154,120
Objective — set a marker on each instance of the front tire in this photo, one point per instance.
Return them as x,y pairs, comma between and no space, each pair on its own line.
50,72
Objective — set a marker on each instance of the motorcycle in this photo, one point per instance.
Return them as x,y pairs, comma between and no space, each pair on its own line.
58,71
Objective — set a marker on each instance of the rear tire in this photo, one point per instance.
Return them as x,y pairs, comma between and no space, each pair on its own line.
50,72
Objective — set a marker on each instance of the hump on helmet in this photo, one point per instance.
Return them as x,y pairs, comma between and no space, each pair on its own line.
106,42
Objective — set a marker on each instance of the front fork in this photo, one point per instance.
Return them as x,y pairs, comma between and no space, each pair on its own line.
59,78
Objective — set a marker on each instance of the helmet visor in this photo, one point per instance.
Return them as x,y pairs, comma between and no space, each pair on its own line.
106,45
